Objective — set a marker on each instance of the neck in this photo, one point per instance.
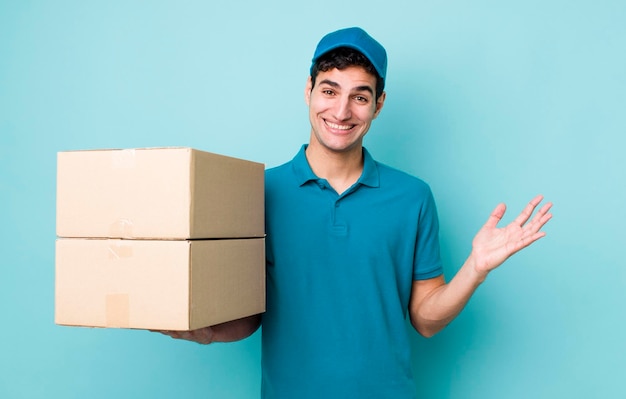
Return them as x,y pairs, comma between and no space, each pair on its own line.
340,169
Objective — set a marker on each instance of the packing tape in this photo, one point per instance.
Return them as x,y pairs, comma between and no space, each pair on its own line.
123,159
122,228
117,311
119,250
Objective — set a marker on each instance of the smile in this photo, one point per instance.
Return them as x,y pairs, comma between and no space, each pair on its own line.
338,127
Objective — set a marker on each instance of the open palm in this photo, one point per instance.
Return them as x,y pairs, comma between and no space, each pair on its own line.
492,245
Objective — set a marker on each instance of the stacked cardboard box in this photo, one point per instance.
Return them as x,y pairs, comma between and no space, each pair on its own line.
158,238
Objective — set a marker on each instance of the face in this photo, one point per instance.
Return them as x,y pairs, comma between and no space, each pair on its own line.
342,107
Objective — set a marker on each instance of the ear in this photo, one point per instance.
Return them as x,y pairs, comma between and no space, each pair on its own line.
379,104
307,91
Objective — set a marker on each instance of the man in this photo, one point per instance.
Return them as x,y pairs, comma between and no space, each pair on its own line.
352,246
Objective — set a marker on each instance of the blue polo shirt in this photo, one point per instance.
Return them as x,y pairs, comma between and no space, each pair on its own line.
339,276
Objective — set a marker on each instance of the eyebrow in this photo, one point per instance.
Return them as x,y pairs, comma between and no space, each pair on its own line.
331,83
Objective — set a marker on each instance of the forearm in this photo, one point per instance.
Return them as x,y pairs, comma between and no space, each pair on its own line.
444,303
434,304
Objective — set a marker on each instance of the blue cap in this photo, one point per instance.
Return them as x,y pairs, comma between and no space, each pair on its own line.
358,39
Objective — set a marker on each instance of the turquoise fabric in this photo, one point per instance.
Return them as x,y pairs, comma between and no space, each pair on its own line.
339,276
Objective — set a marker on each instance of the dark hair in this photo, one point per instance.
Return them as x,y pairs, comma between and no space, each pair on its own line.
342,58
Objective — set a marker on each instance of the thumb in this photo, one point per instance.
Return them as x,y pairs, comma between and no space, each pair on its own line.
496,216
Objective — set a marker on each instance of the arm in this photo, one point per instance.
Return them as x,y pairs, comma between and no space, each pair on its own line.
434,303
225,332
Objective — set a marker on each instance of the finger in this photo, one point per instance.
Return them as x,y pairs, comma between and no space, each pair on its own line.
529,240
496,216
528,211
173,334
525,242
540,219
542,215
533,229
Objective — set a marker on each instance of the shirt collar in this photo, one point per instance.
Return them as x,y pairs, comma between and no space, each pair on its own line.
369,177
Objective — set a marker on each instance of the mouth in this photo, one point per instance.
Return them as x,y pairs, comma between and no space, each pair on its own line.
337,126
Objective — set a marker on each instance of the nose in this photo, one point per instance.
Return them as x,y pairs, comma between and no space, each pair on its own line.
342,109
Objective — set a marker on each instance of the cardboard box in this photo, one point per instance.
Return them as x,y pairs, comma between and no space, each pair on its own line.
158,193
162,285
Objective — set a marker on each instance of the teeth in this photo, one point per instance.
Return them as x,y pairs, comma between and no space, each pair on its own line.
340,127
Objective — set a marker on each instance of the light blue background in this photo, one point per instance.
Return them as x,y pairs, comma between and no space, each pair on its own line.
487,101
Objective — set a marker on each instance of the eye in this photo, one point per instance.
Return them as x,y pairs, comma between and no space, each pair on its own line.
361,99
328,92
